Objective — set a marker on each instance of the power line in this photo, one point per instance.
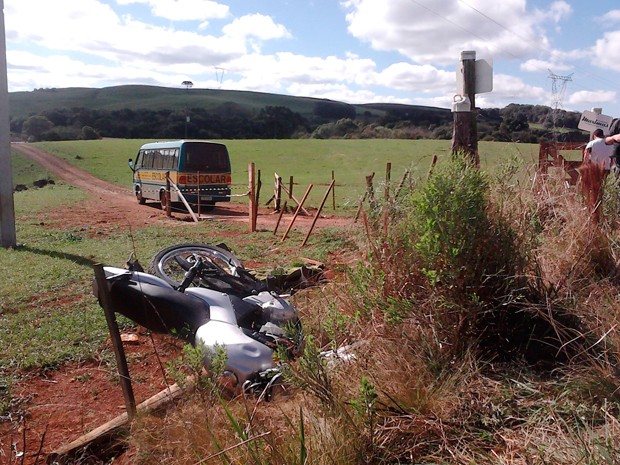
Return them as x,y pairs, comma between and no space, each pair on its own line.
538,45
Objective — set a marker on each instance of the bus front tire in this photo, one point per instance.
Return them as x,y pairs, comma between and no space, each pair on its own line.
141,200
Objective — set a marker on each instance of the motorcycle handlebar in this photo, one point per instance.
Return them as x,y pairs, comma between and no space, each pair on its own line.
191,274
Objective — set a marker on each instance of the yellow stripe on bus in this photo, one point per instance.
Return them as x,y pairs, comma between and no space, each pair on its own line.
183,178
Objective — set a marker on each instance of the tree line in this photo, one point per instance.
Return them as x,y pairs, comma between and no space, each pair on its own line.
329,119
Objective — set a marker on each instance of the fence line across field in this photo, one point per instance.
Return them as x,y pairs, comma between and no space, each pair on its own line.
282,190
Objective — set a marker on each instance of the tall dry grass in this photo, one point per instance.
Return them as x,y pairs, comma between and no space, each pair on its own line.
482,328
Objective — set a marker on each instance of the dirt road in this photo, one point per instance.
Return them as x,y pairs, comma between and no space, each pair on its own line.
110,204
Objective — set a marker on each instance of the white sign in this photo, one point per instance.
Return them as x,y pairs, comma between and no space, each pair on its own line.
484,77
590,121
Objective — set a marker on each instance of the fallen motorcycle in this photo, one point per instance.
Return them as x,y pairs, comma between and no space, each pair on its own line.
201,293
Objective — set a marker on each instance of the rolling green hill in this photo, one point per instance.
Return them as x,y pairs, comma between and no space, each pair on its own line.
153,98
24,104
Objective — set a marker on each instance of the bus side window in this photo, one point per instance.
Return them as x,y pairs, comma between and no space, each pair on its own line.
169,159
148,159
157,159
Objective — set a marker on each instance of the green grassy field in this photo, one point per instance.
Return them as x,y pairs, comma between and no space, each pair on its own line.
58,262
309,161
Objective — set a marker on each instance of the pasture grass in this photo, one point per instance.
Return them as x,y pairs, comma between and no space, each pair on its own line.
45,294
309,161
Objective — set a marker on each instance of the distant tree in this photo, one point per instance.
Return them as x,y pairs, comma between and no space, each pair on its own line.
514,122
35,126
88,133
279,122
330,110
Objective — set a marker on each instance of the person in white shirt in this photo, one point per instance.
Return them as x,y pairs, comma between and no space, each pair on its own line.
600,150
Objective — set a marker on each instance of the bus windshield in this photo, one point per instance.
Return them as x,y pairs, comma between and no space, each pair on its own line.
212,158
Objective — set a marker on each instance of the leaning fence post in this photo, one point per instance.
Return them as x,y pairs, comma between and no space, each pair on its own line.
167,195
282,210
318,212
299,207
117,344
259,184
333,191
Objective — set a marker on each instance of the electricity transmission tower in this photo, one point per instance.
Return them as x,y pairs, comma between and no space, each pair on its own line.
558,89
219,75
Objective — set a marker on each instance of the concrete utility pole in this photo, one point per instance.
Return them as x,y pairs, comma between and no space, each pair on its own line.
465,133
7,207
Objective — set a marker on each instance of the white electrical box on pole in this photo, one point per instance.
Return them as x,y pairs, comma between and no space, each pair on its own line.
7,206
472,77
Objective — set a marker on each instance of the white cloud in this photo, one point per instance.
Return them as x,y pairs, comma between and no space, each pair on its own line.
30,71
606,51
612,16
543,66
588,98
256,25
58,24
508,89
183,10
437,31
93,28
417,78
288,67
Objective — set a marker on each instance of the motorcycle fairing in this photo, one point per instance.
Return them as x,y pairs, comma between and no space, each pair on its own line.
246,357
159,309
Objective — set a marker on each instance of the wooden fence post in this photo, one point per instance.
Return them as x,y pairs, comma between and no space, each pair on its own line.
401,184
278,192
299,207
252,188
275,230
198,195
167,195
318,212
386,192
259,184
333,191
115,337
371,192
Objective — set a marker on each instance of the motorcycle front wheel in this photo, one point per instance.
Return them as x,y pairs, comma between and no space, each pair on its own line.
173,262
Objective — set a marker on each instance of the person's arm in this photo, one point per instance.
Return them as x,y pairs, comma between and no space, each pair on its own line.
615,139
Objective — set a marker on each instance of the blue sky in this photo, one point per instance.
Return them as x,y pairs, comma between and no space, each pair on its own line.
357,51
